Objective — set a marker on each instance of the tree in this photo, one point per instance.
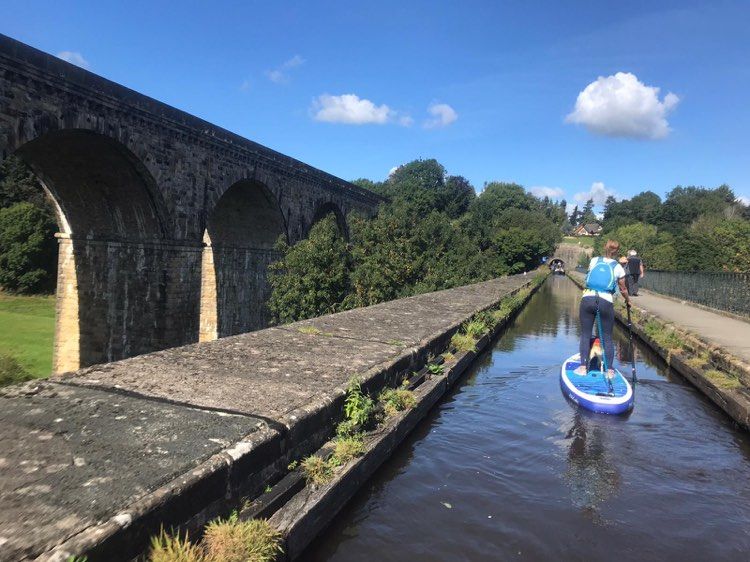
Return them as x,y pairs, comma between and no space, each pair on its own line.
645,207
655,247
713,243
587,214
27,249
575,217
685,204
421,183
313,276
456,196
433,233
19,184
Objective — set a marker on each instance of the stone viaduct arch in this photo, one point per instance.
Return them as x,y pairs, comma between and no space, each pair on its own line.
138,184
111,227
241,232
325,209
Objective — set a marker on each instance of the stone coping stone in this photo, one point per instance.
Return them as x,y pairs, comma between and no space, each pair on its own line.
73,456
410,321
267,373
274,372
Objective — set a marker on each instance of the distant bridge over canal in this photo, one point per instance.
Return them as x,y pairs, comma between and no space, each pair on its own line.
167,222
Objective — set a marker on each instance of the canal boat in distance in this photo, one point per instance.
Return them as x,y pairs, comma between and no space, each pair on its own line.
592,390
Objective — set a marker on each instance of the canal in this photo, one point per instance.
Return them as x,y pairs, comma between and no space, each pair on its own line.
504,468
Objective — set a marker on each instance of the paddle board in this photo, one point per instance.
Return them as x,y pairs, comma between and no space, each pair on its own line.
593,392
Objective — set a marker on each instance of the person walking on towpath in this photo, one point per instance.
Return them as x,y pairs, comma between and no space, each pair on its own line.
635,271
604,277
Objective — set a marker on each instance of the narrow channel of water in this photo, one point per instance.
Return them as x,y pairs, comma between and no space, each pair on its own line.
506,469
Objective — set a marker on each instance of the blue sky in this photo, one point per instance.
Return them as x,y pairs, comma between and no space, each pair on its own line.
555,95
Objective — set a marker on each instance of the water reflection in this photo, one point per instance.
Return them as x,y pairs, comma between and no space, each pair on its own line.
592,474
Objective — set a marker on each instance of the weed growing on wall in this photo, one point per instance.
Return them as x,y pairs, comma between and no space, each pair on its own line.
231,540
358,407
174,548
463,342
348,448
317,470
435,369
224,540
396,400
723,380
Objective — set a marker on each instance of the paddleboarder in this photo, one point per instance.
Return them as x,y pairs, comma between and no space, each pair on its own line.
604,277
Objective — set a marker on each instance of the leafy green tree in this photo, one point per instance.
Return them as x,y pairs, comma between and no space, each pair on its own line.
313,276
18,184
433,233
456,196
683,205
713,243
655,247
421,183
645,207
27,248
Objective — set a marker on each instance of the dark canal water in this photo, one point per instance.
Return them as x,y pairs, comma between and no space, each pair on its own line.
506,469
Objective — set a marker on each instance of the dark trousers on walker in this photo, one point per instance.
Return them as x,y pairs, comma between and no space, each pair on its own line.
632,283
587,314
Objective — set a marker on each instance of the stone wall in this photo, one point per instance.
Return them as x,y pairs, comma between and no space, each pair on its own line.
136,184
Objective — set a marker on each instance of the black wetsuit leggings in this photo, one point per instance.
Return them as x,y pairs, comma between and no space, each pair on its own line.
587,314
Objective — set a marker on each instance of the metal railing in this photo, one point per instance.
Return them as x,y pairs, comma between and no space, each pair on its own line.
724,291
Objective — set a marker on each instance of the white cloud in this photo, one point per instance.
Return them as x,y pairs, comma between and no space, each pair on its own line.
296,60
246,86
623,106
406,121
544,191
598,192
75,58
744,200
277,76
393,170
442,116
350,109
281,75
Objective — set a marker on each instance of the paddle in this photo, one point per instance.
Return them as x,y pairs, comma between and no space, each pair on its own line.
634,379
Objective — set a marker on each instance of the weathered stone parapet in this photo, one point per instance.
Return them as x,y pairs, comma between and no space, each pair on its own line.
176,436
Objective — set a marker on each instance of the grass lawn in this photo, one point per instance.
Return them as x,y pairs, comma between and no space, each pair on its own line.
27,329
585,241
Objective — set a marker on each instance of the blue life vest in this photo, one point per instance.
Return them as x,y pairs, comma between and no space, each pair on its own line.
602,278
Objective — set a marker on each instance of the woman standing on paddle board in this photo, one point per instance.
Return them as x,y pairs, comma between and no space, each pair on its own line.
604,276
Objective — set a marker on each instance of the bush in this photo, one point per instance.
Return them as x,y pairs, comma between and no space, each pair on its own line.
27,249
11,371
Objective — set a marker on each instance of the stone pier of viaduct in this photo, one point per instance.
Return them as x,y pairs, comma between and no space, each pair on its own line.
167,222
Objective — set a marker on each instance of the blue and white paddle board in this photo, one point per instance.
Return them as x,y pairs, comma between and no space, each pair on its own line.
593,392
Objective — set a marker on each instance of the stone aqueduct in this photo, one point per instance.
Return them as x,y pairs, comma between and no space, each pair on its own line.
167,223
